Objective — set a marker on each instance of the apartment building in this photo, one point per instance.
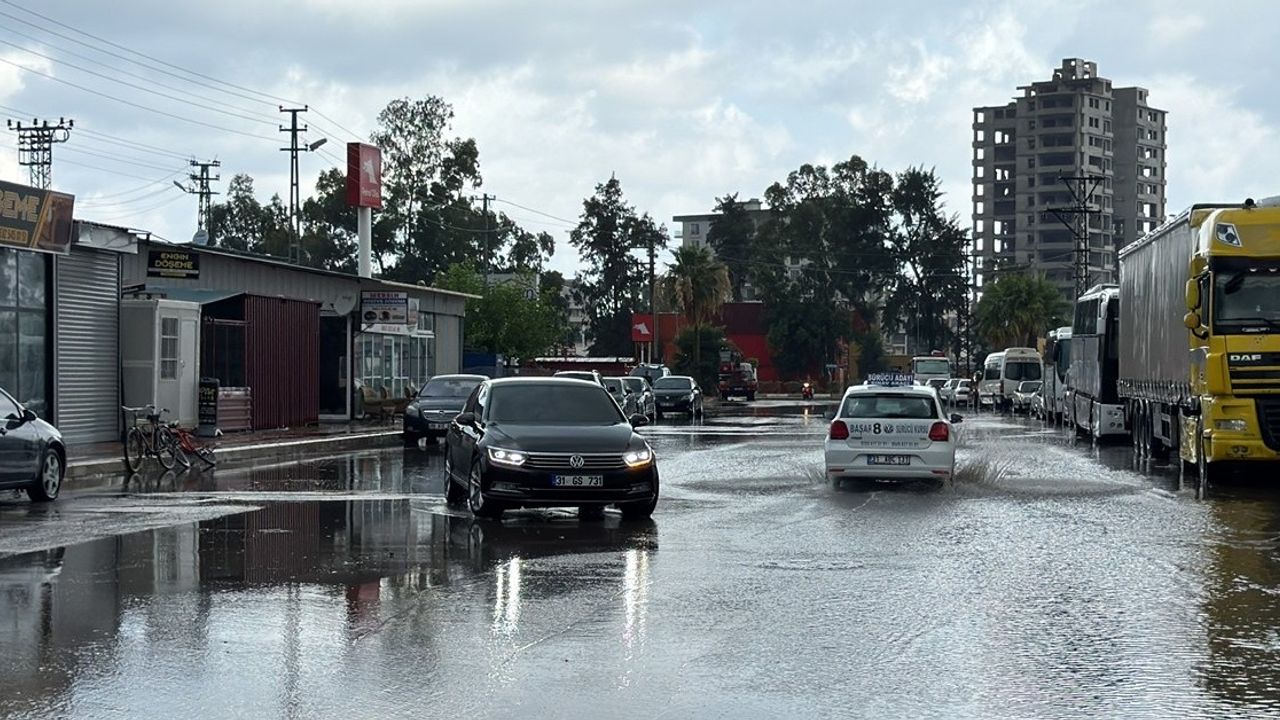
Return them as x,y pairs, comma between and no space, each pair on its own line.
1073,131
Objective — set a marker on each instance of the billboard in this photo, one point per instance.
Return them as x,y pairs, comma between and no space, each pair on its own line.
364,175
35,219
173,264
384,308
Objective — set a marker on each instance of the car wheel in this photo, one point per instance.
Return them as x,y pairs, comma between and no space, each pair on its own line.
47,485
454,493
751,397
592,513
642,510
476,501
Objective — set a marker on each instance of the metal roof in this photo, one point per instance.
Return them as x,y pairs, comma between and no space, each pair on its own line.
196,295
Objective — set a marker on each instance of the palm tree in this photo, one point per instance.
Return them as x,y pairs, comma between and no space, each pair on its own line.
1017,309
698,285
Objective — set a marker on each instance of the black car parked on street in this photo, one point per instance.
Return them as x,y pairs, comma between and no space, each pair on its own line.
32,454
548,442
677,394
438,403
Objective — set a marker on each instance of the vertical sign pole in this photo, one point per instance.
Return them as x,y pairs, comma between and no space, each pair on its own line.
364,228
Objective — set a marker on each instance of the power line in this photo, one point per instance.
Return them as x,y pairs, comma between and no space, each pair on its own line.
245,93
116,158
133,104
127,212
93,203
97,137
109,78
131,191
573,223
99,168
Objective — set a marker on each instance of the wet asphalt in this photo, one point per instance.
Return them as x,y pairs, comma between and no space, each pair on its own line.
1052,579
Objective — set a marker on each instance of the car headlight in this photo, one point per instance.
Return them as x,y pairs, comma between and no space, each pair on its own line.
1235,425
412,411
638,458
507,457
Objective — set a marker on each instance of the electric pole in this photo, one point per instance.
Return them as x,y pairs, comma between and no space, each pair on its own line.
35,147
202,178
653,299
1076,218
295,197
488,238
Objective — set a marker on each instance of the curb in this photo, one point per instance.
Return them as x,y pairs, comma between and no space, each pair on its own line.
114,466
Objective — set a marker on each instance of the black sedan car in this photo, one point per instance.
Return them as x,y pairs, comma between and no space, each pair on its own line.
679,394
439,401
548,442
32,454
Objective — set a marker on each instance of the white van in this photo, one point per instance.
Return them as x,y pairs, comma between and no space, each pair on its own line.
1002,373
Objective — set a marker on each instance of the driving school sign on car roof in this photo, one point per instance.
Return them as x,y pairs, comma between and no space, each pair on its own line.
35,219
891,379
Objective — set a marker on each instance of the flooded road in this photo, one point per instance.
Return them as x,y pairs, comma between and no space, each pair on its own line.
1052,579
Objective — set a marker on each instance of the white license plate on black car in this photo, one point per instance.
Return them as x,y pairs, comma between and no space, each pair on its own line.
438,426
888,459
578,481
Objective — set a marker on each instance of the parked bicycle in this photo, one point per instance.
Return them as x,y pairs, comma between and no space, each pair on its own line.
189,446
152,439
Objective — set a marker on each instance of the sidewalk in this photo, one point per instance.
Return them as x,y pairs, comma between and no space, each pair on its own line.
108,458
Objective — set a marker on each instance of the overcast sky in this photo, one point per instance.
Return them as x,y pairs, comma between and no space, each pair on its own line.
684,101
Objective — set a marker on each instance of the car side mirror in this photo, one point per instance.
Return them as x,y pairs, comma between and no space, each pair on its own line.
1193,294
29,415
956,419
1192,320
466,419
639,420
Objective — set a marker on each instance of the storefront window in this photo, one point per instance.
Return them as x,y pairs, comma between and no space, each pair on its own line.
396,363
24,328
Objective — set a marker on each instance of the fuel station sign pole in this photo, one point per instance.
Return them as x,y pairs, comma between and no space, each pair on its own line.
364,192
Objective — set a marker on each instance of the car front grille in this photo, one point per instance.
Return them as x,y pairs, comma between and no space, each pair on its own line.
1255,380
1269,421
564,462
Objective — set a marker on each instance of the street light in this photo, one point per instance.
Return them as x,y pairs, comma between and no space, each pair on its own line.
313,146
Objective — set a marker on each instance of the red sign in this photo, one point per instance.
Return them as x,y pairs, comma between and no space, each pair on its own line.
364,175
641,328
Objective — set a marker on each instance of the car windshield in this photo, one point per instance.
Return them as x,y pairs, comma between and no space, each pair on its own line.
673,383
1029,387
889,406
613,385
937,382
552,404
449,387
965,383
991,372
933,367
1022,370
574,375
635,384
1246,298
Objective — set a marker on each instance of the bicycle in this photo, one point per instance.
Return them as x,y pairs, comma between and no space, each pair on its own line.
156,440
188,445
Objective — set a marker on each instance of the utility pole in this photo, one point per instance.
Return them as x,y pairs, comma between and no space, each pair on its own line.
1076,218
653,299
202,178
295,198
35,147
488,238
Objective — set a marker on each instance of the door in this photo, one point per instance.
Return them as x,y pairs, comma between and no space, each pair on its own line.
168,393
19,443
462,438
185,411
333,366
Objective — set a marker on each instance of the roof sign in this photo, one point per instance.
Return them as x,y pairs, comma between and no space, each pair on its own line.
891,379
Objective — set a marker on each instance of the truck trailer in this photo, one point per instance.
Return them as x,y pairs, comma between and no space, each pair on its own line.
1200,337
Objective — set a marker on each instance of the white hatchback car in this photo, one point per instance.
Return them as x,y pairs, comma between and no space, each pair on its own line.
891,433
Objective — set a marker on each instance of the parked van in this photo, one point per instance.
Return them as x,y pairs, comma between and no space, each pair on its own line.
1003,371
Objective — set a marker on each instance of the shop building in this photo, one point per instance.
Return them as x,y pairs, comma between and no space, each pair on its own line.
304,342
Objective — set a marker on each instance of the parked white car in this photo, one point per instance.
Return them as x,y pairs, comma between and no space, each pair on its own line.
891,433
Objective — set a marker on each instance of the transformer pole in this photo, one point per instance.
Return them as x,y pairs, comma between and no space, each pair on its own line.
1076,218
35,147
295,199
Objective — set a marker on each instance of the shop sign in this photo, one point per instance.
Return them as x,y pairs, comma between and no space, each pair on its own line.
173,264
207,406
364,175
384,308
35,219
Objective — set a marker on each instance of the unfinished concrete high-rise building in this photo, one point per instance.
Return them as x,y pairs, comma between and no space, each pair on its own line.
1073,129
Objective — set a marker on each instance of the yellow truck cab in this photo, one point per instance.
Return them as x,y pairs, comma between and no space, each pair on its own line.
1200,336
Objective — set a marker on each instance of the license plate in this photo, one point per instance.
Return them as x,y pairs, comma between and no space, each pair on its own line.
578,481
888,459
438,426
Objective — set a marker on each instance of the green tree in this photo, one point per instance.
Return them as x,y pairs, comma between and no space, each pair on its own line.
1017,309
929,248
688,361
732,236
507,319
698,286
238,222
613,283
